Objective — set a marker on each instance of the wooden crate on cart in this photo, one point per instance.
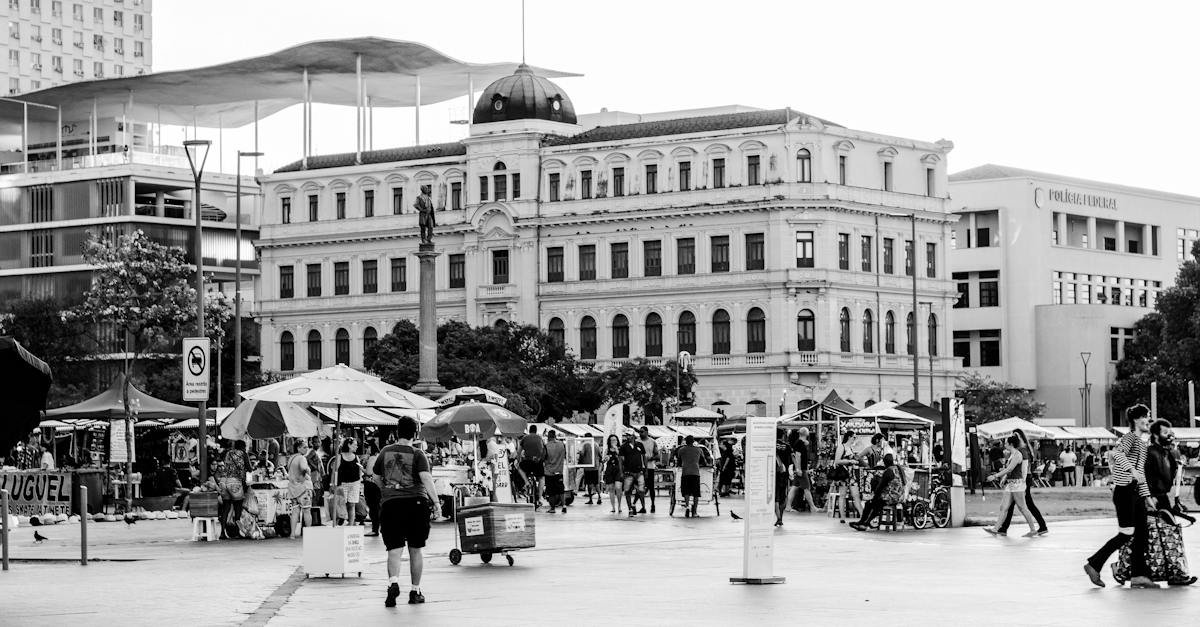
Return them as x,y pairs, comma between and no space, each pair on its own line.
495,528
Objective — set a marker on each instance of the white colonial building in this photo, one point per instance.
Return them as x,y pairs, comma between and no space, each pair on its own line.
1054,270
773,246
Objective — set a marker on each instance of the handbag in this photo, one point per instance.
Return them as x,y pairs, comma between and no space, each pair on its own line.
838,472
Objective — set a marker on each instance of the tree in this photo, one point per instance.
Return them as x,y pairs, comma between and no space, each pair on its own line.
646,385
1165,348
987,400
44,329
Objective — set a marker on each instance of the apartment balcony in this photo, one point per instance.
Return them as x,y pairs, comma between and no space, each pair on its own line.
496,293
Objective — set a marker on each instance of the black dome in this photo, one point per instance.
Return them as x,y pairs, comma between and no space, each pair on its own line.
523,96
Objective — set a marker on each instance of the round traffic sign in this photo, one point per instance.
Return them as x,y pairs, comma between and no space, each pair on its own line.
196,361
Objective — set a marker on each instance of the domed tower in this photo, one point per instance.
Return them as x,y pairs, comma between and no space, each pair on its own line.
523,96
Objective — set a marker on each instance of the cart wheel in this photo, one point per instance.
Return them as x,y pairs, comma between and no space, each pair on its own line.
485,557
455,556
921,518
510,559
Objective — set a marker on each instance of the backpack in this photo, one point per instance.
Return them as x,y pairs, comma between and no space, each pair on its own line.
894,490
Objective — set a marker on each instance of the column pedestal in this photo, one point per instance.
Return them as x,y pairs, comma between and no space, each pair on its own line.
427,381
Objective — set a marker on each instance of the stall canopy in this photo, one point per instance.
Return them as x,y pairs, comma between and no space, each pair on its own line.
1004,428
108,405
579,430
829,408
24,383
697,413
921,409
220,414
696,432
357,416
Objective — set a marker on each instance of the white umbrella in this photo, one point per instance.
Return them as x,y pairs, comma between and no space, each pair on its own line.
339,386
1004,428
269,419
471,393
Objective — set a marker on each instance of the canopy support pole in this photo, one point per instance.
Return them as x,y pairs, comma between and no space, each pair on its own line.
358,109
417,125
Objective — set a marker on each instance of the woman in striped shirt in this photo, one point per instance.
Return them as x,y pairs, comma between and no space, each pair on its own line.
1131,497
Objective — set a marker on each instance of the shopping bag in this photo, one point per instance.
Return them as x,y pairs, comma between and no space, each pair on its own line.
1165,556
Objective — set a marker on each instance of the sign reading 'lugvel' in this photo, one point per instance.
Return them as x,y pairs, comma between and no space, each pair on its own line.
1042,195
37,492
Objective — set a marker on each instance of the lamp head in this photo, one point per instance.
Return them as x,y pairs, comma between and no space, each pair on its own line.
197,154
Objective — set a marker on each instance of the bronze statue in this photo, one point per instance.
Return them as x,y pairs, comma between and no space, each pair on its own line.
424,207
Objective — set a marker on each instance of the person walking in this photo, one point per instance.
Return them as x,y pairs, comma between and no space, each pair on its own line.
1027,455
348,482
533,456
408,496
1131,498
650,446
726,468
1012,481
589,470
1066,460
783,462
371,488
1088,466
300,488
633,462
800,481
613,472
556,458
690,457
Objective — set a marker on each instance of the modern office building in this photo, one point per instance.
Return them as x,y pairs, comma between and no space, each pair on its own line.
51,42
1052,273
775,247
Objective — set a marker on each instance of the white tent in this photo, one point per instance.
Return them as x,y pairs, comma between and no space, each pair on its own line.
1004,428
697,413
887,409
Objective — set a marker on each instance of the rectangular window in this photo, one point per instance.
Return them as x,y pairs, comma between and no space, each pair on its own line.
554,264
585,184
963,286
929,182
56,37
118,18
983,238
652,258
312,208
399,274
1110,243
118,45
908,257
14,57
587,262
341,278
483,189
500,187
340,199
499,267
138,26
718,173
962,347
287,282
370,276
98,69
685,253
931,260
752,176
314,279
456,195
98,15
843,251
77,12
889,255
755,251
989,288
652,179
287,355
553,186
397,200
137,49
618,181
887,176
720,253
868,251
285,210
619,254
841,169
805,255
458,271
989,348
369,203
685,175
516,186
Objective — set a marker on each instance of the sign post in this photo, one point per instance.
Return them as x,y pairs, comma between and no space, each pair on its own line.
195,369
759,522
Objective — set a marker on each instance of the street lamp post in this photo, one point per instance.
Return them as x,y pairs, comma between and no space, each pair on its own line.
1085,392
931,356
237,280
916,350
197,154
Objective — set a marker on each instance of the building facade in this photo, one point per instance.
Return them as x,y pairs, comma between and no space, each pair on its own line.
1053,272
51,42
774,247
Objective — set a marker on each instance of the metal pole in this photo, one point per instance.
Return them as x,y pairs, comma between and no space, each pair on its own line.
912,255
358,112
1154,400
199,172
4,528
58,142
237,282
83,521
1087,390
25,135
1192,404
417,124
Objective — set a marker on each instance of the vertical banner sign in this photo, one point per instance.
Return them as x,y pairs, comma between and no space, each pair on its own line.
195,368
116,442
612,421
958,435
759,520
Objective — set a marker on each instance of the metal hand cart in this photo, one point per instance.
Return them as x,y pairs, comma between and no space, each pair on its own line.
669,478
492,528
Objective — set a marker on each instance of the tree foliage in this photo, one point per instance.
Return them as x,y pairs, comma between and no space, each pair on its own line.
62,341
988,400
646,385
1165,348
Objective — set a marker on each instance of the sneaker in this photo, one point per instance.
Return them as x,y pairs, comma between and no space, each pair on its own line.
687,514
393,593
632,514
1043,531
564,510
857,527
995,532
651,509
642,510
1094,575
1032,533
415,597
370,534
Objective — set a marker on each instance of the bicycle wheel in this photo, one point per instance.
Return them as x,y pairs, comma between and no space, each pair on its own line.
940,508
921,518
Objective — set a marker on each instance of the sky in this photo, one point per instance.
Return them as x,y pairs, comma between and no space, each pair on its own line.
1101,90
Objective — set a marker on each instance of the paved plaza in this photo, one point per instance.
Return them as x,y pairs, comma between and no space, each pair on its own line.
589,568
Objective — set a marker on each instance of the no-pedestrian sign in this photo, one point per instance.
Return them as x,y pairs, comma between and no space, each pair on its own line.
195,368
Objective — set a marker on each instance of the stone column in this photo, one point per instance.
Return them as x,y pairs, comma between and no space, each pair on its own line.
1091,233
427,381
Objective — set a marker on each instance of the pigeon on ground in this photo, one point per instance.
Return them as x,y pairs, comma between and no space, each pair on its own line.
39,538
130,520
734,516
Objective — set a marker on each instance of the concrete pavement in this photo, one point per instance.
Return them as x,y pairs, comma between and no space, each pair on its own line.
590,568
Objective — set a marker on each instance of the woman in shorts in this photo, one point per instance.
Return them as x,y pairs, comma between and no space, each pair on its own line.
1016,467
613,472
348,480
300,488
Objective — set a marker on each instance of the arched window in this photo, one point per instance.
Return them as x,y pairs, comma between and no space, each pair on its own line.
501,324
287,351
910,329
804,165
720,331
587,338
558,331
314,350
654,347
932,324
686,335
620,336
806,331
341,347
370,339
756,408
499,166
756,331
868,332
889,333
844,329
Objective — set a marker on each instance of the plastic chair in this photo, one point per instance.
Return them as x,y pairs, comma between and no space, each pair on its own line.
205,529
892,516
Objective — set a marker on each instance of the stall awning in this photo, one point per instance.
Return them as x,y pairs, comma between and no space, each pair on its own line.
697,413
659,431
357,416
695,432
191,423
1088,433
1004,428
578,430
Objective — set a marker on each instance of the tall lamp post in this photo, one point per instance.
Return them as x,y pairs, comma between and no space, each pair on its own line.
197,154
931,355
237,280
916,350
1085,392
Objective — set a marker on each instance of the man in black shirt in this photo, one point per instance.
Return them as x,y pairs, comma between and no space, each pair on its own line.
633,456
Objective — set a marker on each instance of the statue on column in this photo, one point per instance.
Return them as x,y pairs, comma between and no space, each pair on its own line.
424,207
